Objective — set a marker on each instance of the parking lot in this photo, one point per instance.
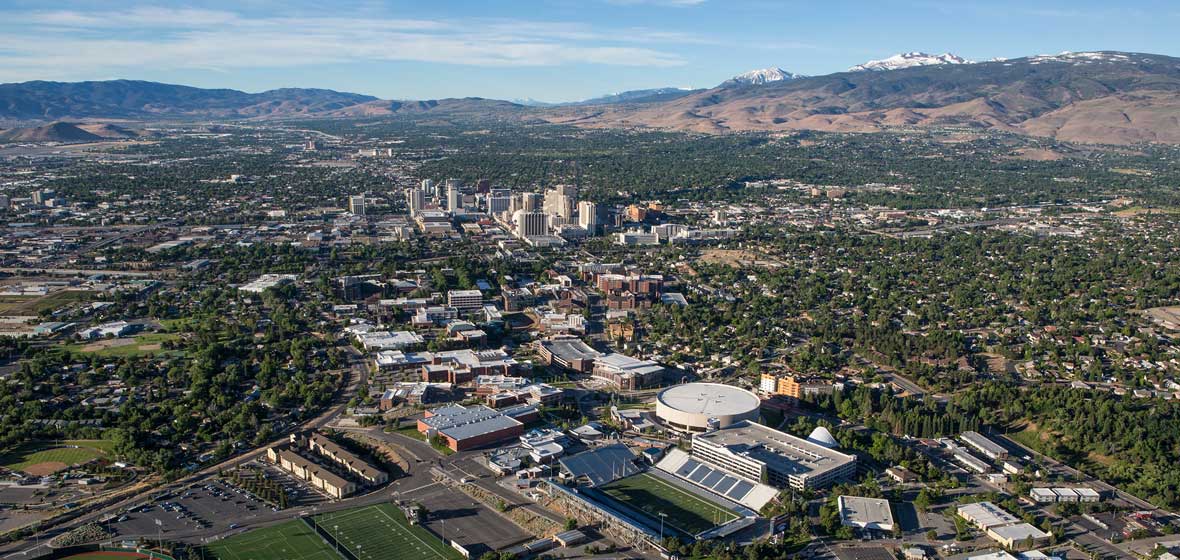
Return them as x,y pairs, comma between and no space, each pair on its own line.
213,504
299,493
455,515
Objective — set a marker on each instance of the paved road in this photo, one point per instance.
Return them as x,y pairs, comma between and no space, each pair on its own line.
358,374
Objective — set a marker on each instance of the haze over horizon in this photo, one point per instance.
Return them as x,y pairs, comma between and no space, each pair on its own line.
556,50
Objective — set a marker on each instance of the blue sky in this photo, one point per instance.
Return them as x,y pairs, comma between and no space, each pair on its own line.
552,50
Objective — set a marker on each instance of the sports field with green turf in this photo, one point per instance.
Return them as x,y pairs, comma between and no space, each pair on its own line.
45,457
293,540
685,511
381,532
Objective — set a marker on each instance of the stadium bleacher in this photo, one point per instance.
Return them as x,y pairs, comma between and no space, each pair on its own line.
602,465
713,479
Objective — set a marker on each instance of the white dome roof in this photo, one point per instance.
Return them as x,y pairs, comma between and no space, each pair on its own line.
821,436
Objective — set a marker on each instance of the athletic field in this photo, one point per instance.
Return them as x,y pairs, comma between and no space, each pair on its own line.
684,510
47,457
381,532
293,540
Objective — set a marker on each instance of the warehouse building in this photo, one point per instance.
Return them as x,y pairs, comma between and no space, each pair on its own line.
1003,527
757,452
982,444
1064,495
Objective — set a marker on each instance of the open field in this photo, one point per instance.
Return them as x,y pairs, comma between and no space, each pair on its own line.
1167,317
41,458
142,345
685,511
736,257
32,305
381,532
292,540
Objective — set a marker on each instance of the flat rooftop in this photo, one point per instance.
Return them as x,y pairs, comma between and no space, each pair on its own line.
870,513
712,399
780,451
460,422
570,349
986,515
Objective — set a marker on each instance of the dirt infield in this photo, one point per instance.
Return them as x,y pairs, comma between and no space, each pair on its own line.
46,468
110,343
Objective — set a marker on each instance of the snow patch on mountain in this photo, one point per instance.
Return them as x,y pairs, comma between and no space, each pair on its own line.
1080,57
909,60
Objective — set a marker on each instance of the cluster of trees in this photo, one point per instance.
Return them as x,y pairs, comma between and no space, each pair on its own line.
230,378
932,308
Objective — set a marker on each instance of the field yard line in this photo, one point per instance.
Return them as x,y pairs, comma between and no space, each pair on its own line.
693,496
416,537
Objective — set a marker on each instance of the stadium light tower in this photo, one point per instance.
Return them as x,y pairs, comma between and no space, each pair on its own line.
662,516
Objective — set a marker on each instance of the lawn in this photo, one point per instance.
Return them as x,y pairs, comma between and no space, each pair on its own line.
381,532
685,511
293,540
33,305
142,345
52,456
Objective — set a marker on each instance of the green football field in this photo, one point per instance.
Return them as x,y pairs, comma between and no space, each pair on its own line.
381,532
293,540
684,510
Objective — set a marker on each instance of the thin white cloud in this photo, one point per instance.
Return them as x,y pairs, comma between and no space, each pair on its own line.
670,3
61,44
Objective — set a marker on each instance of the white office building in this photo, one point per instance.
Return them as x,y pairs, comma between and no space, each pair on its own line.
588,216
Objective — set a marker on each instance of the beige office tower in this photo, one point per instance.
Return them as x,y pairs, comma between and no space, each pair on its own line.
588,216
530,224
454,198
530,202
415,200
356,204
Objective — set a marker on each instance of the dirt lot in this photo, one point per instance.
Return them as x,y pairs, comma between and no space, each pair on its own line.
736,258
1167,317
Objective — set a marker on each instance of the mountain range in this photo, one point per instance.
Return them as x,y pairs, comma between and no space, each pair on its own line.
1102,96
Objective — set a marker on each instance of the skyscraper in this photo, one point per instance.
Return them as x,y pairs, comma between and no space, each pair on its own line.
356,204
588,216
530,202
499,200
454,197
415,200
529,224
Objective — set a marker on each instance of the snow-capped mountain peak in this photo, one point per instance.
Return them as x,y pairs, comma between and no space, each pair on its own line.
908,60
759,77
